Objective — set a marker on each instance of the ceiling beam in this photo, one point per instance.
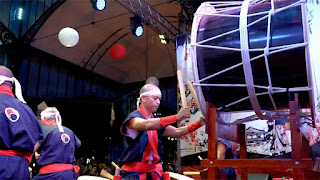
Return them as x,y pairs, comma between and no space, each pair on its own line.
6,36
32,31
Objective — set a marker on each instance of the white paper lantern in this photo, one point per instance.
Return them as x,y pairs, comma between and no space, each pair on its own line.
68,37
152,80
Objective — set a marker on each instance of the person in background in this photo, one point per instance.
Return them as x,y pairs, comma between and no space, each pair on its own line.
226,150
20,130
56,159
143,131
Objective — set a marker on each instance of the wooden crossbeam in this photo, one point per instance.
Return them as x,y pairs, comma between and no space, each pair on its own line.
258,163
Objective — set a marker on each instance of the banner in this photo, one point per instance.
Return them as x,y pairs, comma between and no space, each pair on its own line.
196,141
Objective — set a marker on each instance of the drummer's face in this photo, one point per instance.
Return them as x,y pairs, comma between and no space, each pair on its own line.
153,102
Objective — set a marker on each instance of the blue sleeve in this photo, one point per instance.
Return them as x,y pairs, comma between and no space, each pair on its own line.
135,113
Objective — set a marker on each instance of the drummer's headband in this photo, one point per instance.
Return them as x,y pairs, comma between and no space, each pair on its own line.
149,93
49,112
17,86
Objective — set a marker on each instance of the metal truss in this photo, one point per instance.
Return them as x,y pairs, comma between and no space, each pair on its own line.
151,17
6,36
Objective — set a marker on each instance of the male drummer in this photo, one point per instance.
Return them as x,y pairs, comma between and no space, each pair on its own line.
56,160
19,129
142,155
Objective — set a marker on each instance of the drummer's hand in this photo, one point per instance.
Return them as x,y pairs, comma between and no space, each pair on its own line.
117,172
202,120
36,155
184,113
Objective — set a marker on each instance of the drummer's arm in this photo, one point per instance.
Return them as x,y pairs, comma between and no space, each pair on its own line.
181,131
158,123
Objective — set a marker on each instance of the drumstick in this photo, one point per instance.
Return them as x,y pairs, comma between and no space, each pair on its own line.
191,172
181,87
179,176
182,92
117,169
194,94
116,166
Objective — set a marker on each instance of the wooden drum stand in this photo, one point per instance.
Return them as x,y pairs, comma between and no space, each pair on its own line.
298,166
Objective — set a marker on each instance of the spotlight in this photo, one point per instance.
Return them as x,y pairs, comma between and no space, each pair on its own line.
20,12
136,26
98,4
163,39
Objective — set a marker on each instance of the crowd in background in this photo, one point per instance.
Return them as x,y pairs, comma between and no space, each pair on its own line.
93,167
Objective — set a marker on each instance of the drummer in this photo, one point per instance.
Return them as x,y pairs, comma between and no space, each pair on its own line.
56,159
20,129
142,155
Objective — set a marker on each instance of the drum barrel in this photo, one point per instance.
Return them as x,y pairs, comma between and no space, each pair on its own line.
287,68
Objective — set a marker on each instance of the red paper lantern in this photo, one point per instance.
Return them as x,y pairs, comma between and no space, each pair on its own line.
117,51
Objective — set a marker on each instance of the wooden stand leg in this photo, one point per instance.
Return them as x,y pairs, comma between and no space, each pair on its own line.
242,135
212,140
244,173
299,163
296,137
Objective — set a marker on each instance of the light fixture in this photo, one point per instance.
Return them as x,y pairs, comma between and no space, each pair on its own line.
163,39
136,26
20,12
68,37
98,4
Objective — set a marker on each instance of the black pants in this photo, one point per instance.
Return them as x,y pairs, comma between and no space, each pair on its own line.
315,150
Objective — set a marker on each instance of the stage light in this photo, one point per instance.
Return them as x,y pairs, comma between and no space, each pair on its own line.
163,39
136,26
139,31
20,12
98,4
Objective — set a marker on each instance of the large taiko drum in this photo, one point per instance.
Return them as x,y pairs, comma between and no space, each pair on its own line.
251,55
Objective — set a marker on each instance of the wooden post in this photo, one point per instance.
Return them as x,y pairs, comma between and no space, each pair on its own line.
212,140
242,135
296,142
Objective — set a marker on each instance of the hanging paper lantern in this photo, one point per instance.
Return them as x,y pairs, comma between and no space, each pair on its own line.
68,37
117,51
152,80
